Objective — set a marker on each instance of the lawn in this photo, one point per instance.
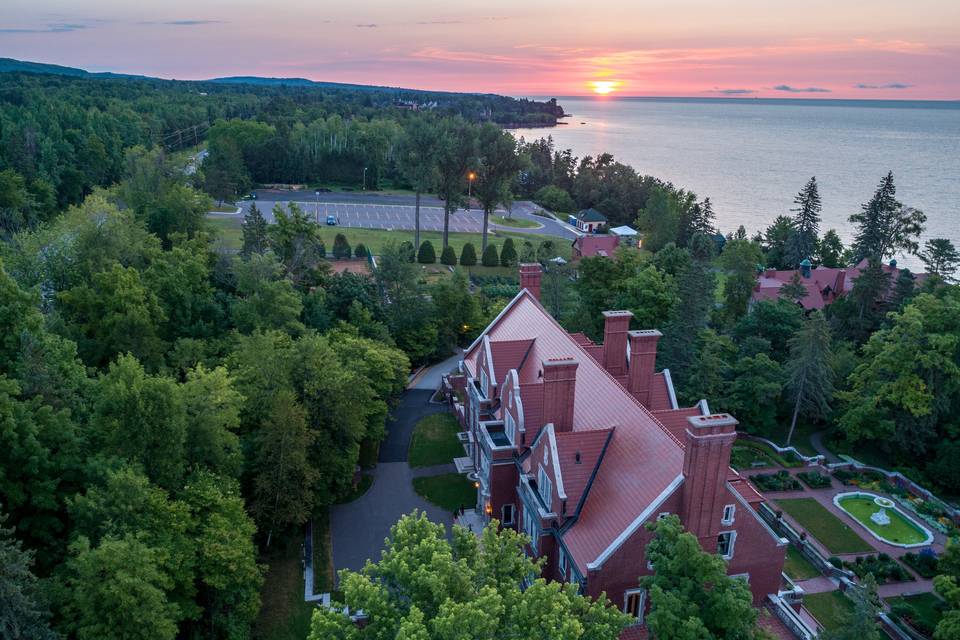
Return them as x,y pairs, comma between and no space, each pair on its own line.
283,615
520,223
747,458
900,529
761,448
435,441
832,533
374,239
449,491
797,566
829,608
926,608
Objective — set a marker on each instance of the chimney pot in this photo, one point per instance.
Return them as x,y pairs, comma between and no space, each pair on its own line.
643,361
616,324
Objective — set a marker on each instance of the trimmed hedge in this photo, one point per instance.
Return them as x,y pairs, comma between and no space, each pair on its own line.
448,257
468,255
490,257
426,255
508,255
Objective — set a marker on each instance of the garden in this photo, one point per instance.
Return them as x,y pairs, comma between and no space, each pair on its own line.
779,481
924,563
881,517
797,566
884,568
830,608
837,537
448,491
815,480
920,612
746,458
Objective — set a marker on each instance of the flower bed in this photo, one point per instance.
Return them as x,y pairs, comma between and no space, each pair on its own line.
815,480
779,481
884,521
884,568
924,563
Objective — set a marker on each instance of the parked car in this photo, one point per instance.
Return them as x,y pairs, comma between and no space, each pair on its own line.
332,220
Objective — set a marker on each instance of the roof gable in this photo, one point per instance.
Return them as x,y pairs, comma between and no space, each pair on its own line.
591,215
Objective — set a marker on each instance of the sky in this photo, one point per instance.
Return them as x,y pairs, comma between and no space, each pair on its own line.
869,49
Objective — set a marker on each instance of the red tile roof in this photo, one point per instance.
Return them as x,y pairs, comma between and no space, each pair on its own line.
643,458
676,420
593,245
636,632
507,355
576,475
660,399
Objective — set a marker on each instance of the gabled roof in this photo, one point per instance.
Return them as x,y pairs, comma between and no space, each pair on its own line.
590,446
591,215
593,245
624,230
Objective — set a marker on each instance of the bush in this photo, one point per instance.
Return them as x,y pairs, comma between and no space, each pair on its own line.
407,250
815,480
546,250
426,255
468,255
554,198
322,250
883,567
779,481
527,252
924,563
508,255
360,251
835,561
490,257
341,248
857,478
449,257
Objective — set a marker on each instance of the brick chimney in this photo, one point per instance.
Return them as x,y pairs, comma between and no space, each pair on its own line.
530,275
705,463
559,385
616,324
643,359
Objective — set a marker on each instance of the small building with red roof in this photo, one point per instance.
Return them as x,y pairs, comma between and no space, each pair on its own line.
581,445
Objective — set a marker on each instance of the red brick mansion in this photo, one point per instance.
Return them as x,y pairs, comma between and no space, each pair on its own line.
580,445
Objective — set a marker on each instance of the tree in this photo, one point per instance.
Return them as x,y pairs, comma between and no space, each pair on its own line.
426,254
709,376
456,153
830,250
295,239
794,290
457,314
499,164
753,391
809,371
774,321
24,613
417,160
941,258
116,590
468,255
360,251
691,595
224,173
255,236
264,298
740,258
806,224
490,257
861,622
448,256
472,584
948,586
648,293
341,248
555,199
212,407
885,226
659,219
508,254
774,242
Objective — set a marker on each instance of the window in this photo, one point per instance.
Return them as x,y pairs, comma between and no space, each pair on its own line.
530,528
506,513
483,382
562,564
545,487
633,602
510,427
728,513
725,542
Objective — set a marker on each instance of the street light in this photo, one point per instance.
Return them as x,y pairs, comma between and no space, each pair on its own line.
317,193
364,179
470,178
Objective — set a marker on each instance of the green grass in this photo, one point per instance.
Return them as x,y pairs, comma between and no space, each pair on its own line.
435,441
226,207
900,530
832,533
519,223
769,452
449,491
374,239
284,615
742,458
926,605
829,608
797,566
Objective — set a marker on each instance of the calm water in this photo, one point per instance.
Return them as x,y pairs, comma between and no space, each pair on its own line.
752,156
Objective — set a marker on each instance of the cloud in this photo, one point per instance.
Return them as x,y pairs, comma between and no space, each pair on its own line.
732,92
180,23
63,27
889,85
789,89
370,25
440,22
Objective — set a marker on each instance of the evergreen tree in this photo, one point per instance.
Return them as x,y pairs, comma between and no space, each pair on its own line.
508,254
774,242
448,256
885,226
528,253
360,251
407,251
740,259
869,288
23,612
546,250
794,290
659,219
341,248
255,239
426,254
861,622
490,257
809,371
806,224
904,289
830,250
941,258
468,255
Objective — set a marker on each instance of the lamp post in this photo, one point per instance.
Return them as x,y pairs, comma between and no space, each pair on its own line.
470,178
317,193
364,179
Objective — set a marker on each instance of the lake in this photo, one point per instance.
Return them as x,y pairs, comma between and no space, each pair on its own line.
752,156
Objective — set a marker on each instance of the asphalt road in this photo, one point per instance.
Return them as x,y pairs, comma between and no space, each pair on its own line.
397,212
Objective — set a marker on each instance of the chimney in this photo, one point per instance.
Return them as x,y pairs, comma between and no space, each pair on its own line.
559,385
530,274
643,359
706,460
615,327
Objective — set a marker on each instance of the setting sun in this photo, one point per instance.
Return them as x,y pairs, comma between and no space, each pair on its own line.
603,87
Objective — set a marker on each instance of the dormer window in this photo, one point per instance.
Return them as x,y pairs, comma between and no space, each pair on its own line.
729,512
545,488
510,428
483,382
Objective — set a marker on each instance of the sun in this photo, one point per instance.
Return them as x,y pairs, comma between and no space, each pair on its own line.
604,87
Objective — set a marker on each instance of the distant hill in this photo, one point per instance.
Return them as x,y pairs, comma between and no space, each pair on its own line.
10,65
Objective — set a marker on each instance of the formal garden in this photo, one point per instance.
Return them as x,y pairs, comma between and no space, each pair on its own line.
882,519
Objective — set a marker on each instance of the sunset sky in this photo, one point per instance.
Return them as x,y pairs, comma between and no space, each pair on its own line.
749,48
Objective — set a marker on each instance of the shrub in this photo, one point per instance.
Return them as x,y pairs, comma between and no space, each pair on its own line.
883,567
555,199
924,563
448,256
815,480
779,481
406,249
835,561
490,257
508,255
426,255
341,248
546,250
468,255
360,251
527,252
322,250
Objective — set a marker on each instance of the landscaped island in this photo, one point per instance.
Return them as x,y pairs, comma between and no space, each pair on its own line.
882,518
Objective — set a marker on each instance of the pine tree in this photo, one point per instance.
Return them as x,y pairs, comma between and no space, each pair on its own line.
830,250
254,232
904,289
508,255
490,257
809,372
360,251
407,251
468,255
806,224
885,226
794,291
23,614
861,622
448,256
341,248
941,258
426,254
